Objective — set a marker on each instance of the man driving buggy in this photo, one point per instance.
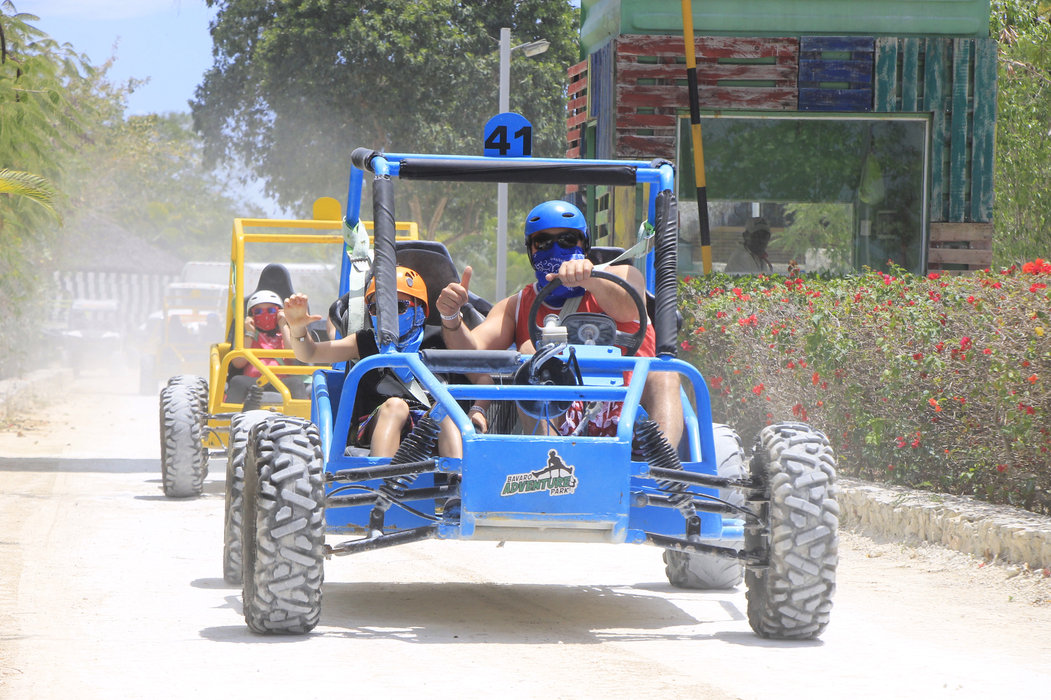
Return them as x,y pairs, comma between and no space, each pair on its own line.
389,401
556,241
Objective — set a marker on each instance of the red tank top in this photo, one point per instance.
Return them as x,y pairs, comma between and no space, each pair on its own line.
527,296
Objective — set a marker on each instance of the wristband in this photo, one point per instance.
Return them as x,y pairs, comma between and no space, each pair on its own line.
450,317
474,408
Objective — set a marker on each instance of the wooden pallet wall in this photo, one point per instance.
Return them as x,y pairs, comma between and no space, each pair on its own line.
966,245
732,73
577,110
954,80
835,73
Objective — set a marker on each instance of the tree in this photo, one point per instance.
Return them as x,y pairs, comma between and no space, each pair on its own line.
1022,214
298,84
39,125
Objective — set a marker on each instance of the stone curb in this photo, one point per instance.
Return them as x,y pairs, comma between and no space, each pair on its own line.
964,524
18,396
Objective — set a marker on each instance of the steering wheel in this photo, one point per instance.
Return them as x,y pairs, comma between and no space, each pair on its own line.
631,342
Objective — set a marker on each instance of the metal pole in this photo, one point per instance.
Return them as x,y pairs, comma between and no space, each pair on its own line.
695,133
501,188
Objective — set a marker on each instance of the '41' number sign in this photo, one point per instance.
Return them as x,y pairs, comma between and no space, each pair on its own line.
508,135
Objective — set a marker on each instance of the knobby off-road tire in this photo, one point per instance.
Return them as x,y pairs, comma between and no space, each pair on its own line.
706,571
199,386
184,459
233,520
284,532
792,597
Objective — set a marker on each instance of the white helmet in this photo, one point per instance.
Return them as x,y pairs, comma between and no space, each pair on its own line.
265,296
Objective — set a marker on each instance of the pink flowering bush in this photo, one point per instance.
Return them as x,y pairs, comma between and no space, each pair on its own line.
940,382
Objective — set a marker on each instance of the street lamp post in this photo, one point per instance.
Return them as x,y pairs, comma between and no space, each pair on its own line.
532,48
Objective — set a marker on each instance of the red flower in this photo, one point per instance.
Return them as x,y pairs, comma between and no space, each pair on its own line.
917,356
934,404
815,378
1033,378
1001,468
757,389
685,345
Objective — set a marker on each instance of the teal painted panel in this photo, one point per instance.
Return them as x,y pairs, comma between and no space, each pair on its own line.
885,89
936,101
984,133
602,19
910,74
959,129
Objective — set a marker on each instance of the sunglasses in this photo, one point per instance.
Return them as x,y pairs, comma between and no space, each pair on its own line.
261,310
544,241
403,306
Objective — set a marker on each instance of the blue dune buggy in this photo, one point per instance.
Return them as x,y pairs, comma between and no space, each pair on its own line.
714,512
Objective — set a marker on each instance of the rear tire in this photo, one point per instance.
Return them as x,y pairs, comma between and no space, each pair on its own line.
184,459
706,571
791,598
284,531
233,520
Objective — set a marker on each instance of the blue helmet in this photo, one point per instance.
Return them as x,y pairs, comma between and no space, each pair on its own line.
556,213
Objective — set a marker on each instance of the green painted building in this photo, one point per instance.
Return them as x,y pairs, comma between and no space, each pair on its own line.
862,131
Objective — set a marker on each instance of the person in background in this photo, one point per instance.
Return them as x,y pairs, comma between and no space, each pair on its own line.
389,402
262,332
750,257
556,240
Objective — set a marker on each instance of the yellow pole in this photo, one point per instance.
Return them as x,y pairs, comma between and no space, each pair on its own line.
695,136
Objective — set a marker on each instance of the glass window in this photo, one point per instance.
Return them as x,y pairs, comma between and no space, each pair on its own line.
835,192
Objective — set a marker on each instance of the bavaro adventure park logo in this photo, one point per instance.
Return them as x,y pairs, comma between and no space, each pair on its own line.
556,478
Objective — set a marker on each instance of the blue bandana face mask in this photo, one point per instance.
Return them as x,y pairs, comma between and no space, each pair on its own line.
410,335
548,261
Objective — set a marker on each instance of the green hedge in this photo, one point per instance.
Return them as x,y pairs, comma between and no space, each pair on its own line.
938,382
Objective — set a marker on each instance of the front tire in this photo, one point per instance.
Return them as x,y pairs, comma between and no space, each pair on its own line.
184,459
233,519
284,532
707,571
791,598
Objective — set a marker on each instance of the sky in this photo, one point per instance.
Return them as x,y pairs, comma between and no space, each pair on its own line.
166,41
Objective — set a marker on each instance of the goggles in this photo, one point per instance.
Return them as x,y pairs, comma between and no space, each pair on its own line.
565,240
264,310
403,306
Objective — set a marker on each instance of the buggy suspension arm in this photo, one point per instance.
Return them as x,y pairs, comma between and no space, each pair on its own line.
680,544
427,532
384,471
753,490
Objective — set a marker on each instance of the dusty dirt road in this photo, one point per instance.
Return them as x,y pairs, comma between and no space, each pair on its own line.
107,589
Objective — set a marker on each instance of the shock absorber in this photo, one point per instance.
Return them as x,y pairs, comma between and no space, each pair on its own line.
658,452
417,446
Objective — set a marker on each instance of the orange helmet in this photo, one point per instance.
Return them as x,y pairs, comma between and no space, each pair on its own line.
409,281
